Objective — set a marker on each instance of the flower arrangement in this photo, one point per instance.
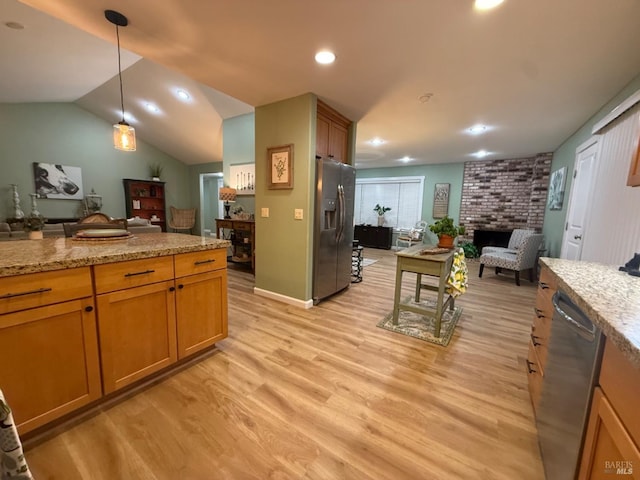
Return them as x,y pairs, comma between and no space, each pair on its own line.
380,210
34,223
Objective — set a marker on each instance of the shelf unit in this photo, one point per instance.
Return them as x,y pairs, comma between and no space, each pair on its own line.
242,237
145,199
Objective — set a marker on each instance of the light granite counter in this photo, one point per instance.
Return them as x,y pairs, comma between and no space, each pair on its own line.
30,256
609,297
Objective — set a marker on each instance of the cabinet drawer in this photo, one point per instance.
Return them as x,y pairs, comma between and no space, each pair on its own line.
245,227
200,262
133,273
45,288
224,224
540,338
534,375
620,381
547,280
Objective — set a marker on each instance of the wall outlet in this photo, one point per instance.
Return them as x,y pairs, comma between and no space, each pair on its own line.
297,214
264,212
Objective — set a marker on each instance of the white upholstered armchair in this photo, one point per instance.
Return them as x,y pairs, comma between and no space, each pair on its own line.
524,258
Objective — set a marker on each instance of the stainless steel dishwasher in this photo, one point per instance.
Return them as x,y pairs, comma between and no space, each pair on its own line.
573,362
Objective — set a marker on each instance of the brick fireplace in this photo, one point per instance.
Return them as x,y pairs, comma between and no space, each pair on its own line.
500,195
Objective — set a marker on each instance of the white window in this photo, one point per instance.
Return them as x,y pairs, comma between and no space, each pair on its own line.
402,194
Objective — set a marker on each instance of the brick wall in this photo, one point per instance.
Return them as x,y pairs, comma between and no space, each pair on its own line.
505,194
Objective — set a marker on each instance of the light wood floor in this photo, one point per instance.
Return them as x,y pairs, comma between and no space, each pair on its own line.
324,394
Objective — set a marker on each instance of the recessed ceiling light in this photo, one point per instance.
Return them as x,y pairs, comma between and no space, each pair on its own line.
325,57
377,141
183,95
481,154
406,159
151,107
477,129
487,4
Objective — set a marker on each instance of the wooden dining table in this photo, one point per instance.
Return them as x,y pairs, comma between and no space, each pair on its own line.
416,259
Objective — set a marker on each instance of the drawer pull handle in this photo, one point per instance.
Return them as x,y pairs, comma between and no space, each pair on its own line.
534,339
138,273
202,262
539,313
30,292
531,370
543,285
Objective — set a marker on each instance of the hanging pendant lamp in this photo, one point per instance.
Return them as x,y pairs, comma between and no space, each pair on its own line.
124,135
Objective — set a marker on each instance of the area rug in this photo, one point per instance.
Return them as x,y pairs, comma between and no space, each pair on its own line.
368,261
420,326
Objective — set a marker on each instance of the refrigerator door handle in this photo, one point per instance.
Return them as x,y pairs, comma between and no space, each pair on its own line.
341,212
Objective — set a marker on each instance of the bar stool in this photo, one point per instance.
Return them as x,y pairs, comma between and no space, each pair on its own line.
356,262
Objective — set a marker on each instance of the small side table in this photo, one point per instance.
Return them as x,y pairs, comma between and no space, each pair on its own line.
356,262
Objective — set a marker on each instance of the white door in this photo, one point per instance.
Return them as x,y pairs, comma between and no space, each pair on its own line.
579,203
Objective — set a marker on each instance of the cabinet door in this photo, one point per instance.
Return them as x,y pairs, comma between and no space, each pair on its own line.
49,361
609,450
323,125
534,376
137,333
338,141
201,309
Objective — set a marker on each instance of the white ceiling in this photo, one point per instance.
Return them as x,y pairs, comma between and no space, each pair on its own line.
534,71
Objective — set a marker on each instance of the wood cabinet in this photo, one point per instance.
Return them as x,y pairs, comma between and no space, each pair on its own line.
201,300
242,234
332,134
49,362
613,431
146,199
375,237
540,333
136,319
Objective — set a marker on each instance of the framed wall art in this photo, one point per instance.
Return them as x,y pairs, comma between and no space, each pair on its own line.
280,167
57,181
243,178
556,189
441,200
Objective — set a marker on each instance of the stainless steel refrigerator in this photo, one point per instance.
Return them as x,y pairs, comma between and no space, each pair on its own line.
333,229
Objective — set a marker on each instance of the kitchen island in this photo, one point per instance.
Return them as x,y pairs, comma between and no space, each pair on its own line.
611,300
83,319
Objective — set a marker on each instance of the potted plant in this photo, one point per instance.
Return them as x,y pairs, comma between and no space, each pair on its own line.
34,225
155,171
446,231
380,210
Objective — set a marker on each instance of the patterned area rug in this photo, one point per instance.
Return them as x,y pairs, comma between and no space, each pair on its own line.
368,261
422,327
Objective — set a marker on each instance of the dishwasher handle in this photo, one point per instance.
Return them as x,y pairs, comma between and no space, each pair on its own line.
588,334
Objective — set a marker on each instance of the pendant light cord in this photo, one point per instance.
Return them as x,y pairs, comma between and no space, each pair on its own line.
120,72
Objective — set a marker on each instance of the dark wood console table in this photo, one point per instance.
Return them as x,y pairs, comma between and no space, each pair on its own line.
376,237
242,236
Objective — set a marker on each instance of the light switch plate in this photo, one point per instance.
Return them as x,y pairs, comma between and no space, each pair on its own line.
264,212
297,214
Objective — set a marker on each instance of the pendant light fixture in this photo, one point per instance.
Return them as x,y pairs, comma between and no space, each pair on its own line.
124,135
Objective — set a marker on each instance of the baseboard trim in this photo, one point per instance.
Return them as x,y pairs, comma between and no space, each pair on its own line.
306,304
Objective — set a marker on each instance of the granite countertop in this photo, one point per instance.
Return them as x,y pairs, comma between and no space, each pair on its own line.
609,297
29,256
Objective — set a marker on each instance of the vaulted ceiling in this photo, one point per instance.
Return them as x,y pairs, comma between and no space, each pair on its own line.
415,73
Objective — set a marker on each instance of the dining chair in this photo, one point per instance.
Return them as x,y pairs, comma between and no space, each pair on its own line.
182,218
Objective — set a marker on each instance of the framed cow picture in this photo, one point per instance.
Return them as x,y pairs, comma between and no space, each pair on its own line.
57,181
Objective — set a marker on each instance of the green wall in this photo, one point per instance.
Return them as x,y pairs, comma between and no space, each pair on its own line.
239,147
564,156
452,173
283,245
63,133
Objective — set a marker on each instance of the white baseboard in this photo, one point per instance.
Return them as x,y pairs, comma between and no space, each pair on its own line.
306,304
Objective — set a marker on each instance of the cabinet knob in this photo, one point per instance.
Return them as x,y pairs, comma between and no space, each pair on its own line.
88,309
172,289
181,286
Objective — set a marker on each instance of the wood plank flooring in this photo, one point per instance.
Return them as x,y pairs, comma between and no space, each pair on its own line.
324,394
